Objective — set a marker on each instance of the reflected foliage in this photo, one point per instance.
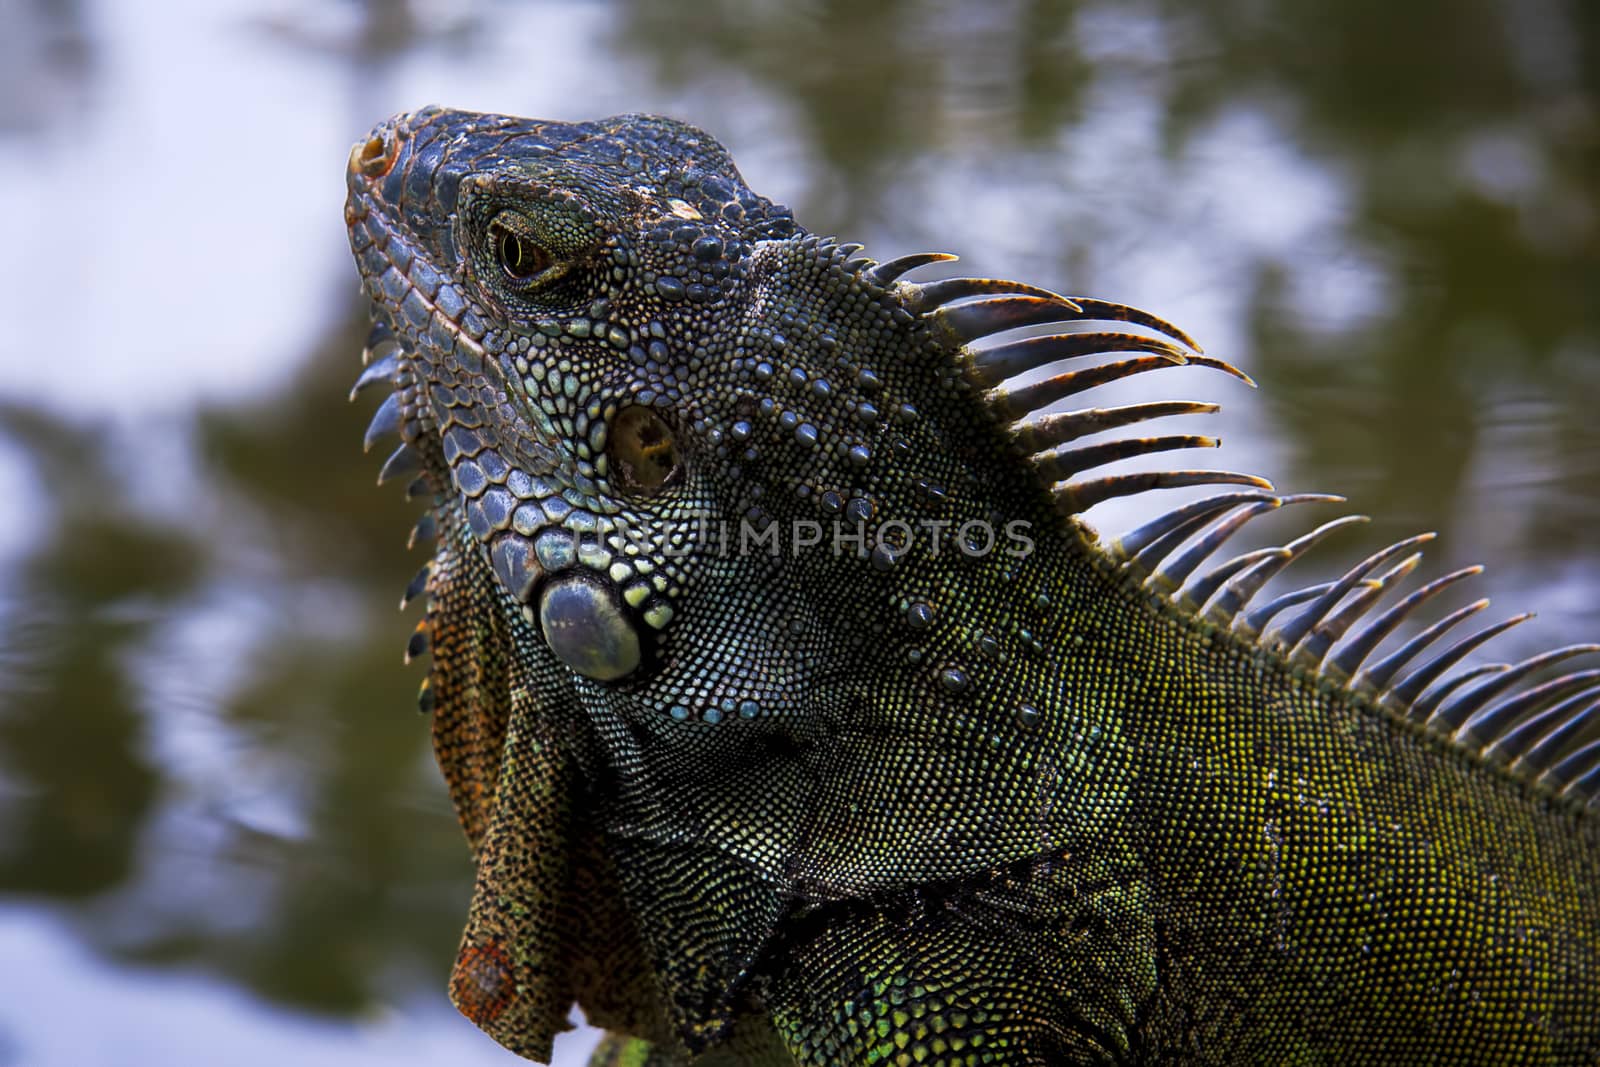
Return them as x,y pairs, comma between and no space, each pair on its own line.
206,749
875,89
73,810
311,854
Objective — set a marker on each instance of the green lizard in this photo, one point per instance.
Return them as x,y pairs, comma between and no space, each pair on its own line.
794,714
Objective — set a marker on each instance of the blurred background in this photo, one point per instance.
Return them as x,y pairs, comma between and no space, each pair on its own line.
222,838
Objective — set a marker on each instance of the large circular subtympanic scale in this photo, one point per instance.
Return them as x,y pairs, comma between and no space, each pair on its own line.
587,630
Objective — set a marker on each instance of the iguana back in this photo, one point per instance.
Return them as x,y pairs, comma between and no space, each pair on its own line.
794,715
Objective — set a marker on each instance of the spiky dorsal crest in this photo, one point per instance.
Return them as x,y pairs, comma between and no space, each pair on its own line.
1541,731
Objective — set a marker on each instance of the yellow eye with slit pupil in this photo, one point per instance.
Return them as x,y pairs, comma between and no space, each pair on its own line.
642,452
519,257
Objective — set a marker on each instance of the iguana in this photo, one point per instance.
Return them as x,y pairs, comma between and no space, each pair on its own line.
795,715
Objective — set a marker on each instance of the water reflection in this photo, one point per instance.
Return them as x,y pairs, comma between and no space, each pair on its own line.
208,765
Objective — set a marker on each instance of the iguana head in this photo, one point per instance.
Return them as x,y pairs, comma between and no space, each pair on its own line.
569,288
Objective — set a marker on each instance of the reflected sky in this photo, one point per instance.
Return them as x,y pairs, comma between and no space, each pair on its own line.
220,827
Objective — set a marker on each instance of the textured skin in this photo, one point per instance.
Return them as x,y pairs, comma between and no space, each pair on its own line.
849,808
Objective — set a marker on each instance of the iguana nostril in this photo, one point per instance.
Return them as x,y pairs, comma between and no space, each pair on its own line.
586,629
374,156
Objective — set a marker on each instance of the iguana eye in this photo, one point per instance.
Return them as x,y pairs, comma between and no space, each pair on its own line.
642,453
519,257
